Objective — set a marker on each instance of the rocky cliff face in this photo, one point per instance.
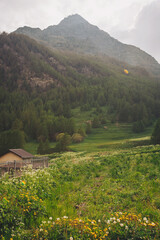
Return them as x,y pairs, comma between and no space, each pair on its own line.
74,33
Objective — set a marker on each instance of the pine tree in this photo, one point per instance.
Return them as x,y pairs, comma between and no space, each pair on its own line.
156,133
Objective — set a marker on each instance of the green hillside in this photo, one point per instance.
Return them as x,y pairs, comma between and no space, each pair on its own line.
43,91
85,196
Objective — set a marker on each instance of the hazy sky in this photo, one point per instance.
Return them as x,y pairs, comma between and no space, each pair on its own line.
130,21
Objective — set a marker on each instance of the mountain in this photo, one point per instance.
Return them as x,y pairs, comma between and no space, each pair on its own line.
25,62
40,89
74,33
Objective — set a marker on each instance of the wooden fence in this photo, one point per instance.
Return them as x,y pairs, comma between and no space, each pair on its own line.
16,167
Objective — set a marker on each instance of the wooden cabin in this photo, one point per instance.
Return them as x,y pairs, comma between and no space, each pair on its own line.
14,160
18,155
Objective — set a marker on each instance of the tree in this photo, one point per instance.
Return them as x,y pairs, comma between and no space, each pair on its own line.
95,123
156,133
43,147
138,126
63,140
11,139
82,131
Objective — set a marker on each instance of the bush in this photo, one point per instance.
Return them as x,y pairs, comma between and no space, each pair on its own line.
77,138
64,139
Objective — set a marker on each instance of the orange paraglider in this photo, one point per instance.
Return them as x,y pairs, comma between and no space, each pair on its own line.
126,71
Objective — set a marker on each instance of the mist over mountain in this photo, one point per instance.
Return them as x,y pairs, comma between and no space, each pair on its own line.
74,33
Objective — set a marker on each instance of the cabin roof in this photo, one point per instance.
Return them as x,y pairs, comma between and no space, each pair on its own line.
21,153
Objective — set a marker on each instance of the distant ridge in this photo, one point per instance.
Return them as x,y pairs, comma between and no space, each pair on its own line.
74,33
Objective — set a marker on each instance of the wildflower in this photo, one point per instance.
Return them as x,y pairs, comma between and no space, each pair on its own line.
99,220
126,227
58,219
108,222
144,219
118,220
71,238
50,218
49,221
121,224
152,224
41,229
65,217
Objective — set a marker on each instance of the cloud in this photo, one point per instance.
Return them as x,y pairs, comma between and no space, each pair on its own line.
146,32
42,13
114,16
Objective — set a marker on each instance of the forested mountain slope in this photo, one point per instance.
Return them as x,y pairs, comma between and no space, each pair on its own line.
74,33
39,88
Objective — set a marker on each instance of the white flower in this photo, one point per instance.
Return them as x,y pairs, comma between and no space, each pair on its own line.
114,222
99,220
144,219
80,220
108,222
71,238
49,221
114,218
126,227
58,219
121,224
41,229
65,217
50,218
120,213
118,220
53,223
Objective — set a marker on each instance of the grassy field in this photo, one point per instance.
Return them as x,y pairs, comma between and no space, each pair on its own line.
101,139
114,136
95,187
106,187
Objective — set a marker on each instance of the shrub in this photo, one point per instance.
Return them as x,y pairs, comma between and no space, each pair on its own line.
77,138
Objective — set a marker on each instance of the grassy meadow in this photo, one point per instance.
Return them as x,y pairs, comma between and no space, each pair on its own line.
85,195
113,137
106,187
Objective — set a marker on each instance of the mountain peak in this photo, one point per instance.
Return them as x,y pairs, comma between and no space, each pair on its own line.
73,20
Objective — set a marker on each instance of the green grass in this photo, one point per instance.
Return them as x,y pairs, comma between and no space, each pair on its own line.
87,185
113,137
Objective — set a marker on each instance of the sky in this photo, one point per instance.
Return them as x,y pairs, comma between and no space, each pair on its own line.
130,21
